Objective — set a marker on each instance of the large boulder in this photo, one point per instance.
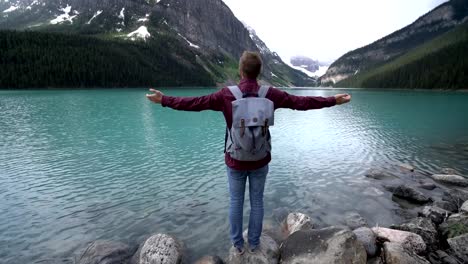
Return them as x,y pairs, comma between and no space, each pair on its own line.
106,252
449,206
423,227
380,175
408,193
436,214
210,260
464,208
456,224
394,253
354,220
455,197
160,249
298,221
323,246
451,179
367,238
459,246
266,253
410,241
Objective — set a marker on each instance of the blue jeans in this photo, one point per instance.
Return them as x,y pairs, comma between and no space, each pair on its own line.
237,180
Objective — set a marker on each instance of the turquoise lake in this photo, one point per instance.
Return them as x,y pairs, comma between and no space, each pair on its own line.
77,166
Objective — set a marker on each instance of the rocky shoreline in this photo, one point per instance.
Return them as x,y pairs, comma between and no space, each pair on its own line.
437,234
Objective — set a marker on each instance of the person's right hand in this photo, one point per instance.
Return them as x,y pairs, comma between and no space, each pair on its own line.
155,97
342,98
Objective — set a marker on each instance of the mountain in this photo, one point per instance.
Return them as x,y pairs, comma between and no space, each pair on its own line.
437,64
194,37
435,23
309,66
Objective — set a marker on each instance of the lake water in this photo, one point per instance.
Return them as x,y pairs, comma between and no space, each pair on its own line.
76,166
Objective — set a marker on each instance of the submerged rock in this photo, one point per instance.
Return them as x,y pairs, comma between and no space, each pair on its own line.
459,245
449,171
455,197
406,167
106,252
451,207
408,193
266,253
394,253
298,221
280,214
322,246
410,241
380,175
354,220
451,179
210,260
160,249
367,238
423,227
436,214
427,185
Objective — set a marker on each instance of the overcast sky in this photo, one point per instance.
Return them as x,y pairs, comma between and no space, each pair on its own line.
326,29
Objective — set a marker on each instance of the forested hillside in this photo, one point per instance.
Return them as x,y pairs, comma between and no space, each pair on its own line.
439,64
59,60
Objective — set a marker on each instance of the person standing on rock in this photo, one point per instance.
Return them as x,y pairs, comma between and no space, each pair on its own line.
248,110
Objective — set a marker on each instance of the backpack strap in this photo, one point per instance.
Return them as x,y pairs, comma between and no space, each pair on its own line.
263,90
236,92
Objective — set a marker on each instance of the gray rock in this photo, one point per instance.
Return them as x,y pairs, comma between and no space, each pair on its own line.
451,207
323,246
456,224
367,238
160,249
298,221
449,171
423,227
106,252
394,253
436,214
407,167
372,191
441,257
451,179
376,260
464,208
408,193
410,241
354,220
459,245
427,185
380,175
268,252
455,197
210,260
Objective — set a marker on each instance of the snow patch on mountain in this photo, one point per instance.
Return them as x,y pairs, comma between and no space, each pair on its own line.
141,32
95,15
190,43
122,13
35,2
321,71
10,9
65,16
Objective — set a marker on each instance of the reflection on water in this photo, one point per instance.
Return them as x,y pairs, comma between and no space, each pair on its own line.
76,166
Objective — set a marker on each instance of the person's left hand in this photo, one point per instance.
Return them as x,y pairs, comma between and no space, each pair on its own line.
155,97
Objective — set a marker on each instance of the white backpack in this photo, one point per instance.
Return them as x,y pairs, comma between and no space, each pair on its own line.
249,137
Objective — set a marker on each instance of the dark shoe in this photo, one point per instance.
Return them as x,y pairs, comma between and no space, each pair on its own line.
252,249
240,250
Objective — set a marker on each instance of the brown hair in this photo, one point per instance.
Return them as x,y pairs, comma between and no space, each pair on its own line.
250,64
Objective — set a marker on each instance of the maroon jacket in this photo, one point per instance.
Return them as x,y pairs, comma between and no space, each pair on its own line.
222,101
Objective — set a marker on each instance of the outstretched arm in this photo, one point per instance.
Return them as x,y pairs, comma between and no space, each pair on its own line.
283,99
208,102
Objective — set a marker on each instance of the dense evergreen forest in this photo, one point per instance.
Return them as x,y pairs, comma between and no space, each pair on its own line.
52,60
438,64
